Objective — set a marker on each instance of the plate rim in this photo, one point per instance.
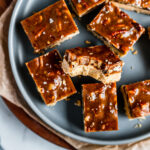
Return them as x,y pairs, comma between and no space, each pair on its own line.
39,113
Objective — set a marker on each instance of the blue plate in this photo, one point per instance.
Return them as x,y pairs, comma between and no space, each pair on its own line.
65,117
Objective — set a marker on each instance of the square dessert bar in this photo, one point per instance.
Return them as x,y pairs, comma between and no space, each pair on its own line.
50,26
140,6
52,83
98,62
137,99
82,7
116,29
100,107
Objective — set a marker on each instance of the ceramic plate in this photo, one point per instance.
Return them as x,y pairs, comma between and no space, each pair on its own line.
65,117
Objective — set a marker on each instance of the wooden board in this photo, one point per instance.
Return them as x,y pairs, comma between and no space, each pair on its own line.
27,120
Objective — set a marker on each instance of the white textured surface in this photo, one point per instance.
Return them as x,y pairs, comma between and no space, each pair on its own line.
15,136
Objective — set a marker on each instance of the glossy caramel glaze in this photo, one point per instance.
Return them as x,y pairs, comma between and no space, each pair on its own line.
83,6
138,98
116,27
49,26
52,83
145,4
101,57
100,107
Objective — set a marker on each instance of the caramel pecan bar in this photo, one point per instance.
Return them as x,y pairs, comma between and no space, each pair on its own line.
52,83
116,29
140,6
137,99
50,26
82,7
98,62
100,107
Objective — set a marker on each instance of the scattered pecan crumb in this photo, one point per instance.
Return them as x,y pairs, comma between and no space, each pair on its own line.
135,52
87,42
73,15
132,49
40,52
67,99
77,103
139,125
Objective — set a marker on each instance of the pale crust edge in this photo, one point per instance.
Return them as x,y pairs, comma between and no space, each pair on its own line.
131,8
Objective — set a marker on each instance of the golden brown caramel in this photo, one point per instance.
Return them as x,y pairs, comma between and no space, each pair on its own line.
137,97
100,107
82,7
52,83
50,26
117,28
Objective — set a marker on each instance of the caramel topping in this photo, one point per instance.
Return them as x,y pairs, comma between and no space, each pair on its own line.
138,96
116,27
49,25
51,81
100,107
82,6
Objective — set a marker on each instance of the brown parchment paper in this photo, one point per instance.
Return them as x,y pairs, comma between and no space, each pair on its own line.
9,90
